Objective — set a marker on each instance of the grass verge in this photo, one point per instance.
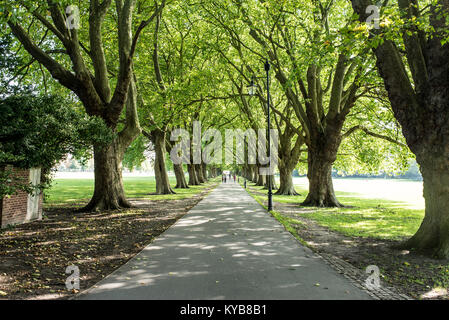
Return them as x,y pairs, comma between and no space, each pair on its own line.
364,234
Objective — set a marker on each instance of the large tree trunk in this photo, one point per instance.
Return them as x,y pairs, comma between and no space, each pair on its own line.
193,178
109,193
433,235
422,109
286,186
181,182
321,189
160,171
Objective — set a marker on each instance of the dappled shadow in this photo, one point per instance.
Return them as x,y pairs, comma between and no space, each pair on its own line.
227,247
34,256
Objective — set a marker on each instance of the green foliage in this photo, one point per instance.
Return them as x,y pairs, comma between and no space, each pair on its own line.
38,131
9,184
135,154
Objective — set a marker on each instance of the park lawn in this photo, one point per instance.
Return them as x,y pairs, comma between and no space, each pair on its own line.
364,234
373,218
74,192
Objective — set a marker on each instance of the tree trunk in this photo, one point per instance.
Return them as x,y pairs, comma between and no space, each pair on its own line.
273,182
254,173
193,178
204,170
109,193
422,109
160,171
286,186
181,182
260,180
433,235
321,189
199,173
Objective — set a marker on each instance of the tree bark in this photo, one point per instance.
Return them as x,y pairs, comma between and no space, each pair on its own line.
199,173
193,178
260,180
181,182
273,182
421,107
321,189
109,193
254,173
286,186
204,170
160,171
433,235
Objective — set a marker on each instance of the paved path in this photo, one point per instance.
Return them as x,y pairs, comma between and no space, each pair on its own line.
227,247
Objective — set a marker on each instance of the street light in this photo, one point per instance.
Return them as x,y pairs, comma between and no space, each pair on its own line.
252,88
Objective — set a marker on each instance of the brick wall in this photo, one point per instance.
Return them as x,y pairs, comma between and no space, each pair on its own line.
14,208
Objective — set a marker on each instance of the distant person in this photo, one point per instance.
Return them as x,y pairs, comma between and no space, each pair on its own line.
234,177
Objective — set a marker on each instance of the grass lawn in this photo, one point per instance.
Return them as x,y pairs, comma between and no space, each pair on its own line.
362,234
79,191
374,218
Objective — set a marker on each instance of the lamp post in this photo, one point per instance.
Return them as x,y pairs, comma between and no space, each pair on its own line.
252,91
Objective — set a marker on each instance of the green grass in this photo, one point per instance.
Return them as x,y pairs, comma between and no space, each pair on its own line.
374,218
76,191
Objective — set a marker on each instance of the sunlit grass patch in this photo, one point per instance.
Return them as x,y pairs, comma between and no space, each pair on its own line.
79,191
374,218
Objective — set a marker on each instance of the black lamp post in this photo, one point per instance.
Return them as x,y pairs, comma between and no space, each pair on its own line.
252,91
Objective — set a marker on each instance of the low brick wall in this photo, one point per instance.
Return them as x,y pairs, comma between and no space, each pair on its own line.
16,209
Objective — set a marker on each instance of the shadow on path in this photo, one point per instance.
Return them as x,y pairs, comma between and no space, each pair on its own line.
227,247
